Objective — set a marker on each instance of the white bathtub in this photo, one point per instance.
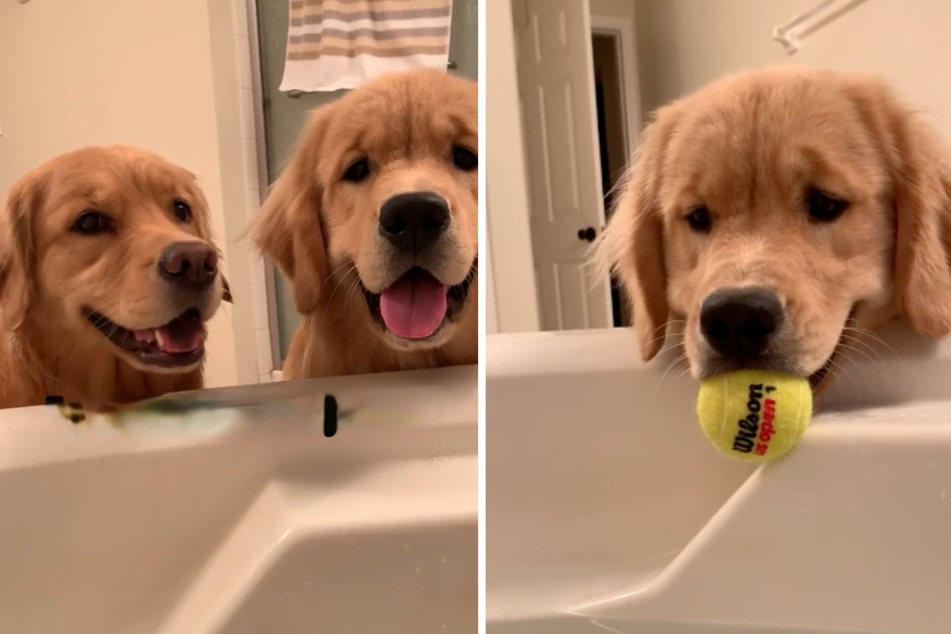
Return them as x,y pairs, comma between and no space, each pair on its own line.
267,526
607,510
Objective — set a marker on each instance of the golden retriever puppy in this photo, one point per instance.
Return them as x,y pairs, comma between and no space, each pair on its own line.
107,277
375,222
773,213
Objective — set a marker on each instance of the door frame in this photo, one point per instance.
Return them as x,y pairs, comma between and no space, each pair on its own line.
518,17
623,30
235,73
266,322
263,298
632,117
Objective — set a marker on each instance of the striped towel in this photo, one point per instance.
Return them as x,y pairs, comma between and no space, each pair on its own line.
340,44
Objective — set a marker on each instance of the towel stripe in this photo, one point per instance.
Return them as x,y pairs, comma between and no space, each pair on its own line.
370,44
373,51
316,6
377,25
396,34
376,16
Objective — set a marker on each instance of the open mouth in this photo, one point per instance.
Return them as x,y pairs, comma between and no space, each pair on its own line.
417,305
179,343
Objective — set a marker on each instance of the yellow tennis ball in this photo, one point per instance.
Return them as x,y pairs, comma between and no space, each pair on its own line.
754,415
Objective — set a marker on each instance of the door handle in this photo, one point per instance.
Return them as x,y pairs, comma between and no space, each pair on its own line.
587,234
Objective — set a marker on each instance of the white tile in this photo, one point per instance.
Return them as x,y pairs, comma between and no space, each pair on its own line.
250,170
246,114
243,61
251,144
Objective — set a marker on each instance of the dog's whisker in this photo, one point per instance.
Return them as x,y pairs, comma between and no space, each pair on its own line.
353,268
864,344
673,337
874,337
684,372
843,354
666,335
878,361
334,272
663,327
669,347
839,368
675,363
353,286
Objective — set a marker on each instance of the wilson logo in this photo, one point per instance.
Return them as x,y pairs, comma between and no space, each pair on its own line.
756,429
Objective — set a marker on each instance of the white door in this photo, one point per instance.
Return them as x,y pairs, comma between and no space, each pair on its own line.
556,85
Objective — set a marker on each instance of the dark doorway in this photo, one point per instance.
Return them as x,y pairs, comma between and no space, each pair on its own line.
608,90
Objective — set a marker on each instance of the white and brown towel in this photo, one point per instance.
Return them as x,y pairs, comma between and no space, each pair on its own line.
340,44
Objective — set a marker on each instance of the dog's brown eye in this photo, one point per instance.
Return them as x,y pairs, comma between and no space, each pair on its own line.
699,219
182,210
357,171
90,223
464,158
823,207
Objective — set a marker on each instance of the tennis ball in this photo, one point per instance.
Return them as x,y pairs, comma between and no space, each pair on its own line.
754,415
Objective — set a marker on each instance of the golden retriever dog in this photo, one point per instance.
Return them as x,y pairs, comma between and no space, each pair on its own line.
107,277
374,220
774,215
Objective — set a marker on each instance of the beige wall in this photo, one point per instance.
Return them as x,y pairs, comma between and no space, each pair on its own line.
109,71
613,8
683,44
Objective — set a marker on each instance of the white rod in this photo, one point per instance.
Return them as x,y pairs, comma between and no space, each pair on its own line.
805,15
784,33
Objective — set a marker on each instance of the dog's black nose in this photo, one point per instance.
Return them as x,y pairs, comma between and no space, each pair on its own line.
192,266
739,323
414,221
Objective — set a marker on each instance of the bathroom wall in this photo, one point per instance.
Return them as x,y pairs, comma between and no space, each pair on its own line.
613,8
683,44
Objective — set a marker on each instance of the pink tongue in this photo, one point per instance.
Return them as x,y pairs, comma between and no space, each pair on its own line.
175,338
414,306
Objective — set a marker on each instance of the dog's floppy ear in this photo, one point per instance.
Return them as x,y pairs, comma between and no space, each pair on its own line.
920,175
632,243
16,248
288,227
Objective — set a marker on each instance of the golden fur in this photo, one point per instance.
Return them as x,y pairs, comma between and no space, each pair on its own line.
51,274
323,230
748,148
